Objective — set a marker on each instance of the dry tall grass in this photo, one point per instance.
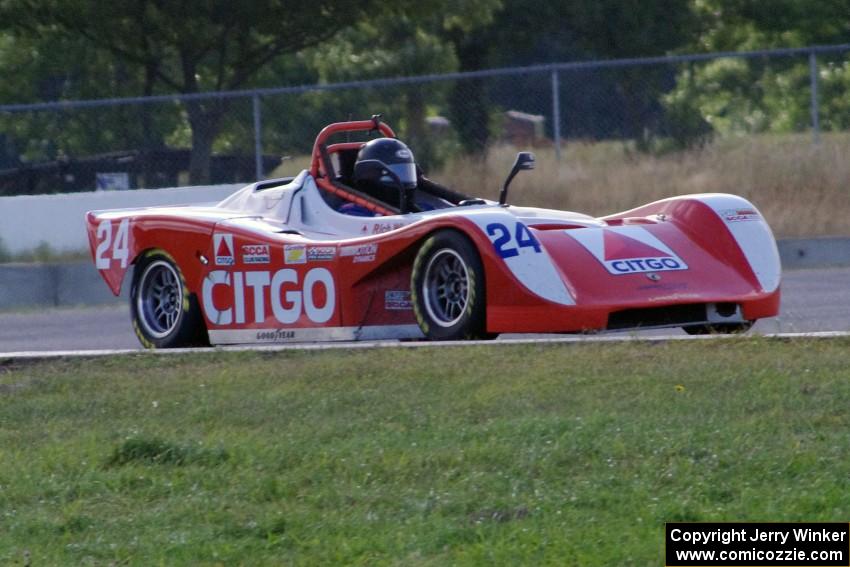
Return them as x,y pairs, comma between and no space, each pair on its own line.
802,189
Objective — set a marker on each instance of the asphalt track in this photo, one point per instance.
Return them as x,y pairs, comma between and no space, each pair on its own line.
812,301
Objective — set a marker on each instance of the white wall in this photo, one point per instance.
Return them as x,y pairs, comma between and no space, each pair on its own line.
59,220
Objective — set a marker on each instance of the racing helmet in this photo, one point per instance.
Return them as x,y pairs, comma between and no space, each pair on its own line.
380,156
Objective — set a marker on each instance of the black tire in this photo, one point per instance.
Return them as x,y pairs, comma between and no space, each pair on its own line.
165,314
719,328
447,288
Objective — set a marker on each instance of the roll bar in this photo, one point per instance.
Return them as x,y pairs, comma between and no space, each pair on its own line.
320,164
375,123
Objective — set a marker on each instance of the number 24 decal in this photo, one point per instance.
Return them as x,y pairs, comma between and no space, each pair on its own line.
508,245
120,246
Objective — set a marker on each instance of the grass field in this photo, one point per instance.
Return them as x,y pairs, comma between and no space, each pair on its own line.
559,455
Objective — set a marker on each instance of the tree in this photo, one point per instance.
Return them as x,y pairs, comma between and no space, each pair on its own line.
526,32
753,24
193,46
766,95
415,43
53,67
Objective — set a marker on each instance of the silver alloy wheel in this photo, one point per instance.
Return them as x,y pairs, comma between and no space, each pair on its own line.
445,287
159,302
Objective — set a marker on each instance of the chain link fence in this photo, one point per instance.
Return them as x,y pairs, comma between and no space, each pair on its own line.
653,105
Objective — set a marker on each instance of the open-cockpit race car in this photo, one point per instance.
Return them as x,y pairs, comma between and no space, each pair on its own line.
364,246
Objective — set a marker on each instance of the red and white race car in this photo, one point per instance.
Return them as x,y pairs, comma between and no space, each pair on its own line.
363,246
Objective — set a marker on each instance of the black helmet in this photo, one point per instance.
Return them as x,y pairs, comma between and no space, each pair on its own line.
381,155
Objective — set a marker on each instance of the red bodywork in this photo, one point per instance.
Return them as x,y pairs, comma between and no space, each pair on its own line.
255,276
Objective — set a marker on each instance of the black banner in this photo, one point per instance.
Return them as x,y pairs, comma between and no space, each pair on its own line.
757,544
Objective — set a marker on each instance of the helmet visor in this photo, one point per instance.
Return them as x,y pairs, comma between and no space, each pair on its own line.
406,173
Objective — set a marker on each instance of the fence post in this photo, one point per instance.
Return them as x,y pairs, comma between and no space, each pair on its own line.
258,142
813,76
556,114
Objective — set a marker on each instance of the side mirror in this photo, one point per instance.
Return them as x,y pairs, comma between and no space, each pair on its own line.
524,160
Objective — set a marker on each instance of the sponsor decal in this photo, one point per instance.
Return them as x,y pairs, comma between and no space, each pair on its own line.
321,253
641,265
630,250
289,297
256,254
294,254
397,300
360,252
276,335
740,215
223,248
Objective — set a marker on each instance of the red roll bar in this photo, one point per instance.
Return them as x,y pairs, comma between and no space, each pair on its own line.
321,151
336,128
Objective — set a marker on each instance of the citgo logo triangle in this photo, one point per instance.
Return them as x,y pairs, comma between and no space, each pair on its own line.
628,250
223,244
621,247
222,249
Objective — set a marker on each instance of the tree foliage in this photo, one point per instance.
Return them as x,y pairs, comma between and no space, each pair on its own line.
760,95
191,47
81,49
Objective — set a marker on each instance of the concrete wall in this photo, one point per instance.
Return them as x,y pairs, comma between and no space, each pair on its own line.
59,220
55,285
60,285
797,253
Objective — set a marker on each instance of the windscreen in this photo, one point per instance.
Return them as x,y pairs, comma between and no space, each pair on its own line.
406,172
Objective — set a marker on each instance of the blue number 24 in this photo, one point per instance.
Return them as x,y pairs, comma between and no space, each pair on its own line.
504,244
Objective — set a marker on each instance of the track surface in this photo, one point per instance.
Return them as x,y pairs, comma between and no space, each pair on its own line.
813,300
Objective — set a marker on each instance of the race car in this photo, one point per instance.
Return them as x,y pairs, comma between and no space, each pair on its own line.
364,246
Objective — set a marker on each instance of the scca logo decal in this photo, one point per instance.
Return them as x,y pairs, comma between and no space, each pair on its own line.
288,299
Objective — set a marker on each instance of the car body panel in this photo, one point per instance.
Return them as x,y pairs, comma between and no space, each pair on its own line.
275,262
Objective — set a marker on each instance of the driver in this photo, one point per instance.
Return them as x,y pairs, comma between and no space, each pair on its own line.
385,170
377,162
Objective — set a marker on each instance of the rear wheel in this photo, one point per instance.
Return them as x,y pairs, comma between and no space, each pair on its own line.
719,328
165,314
447,287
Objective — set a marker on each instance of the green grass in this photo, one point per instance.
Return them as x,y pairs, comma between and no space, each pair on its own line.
561,455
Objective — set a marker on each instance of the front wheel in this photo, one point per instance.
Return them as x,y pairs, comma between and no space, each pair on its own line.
719,328
165,314
447,288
